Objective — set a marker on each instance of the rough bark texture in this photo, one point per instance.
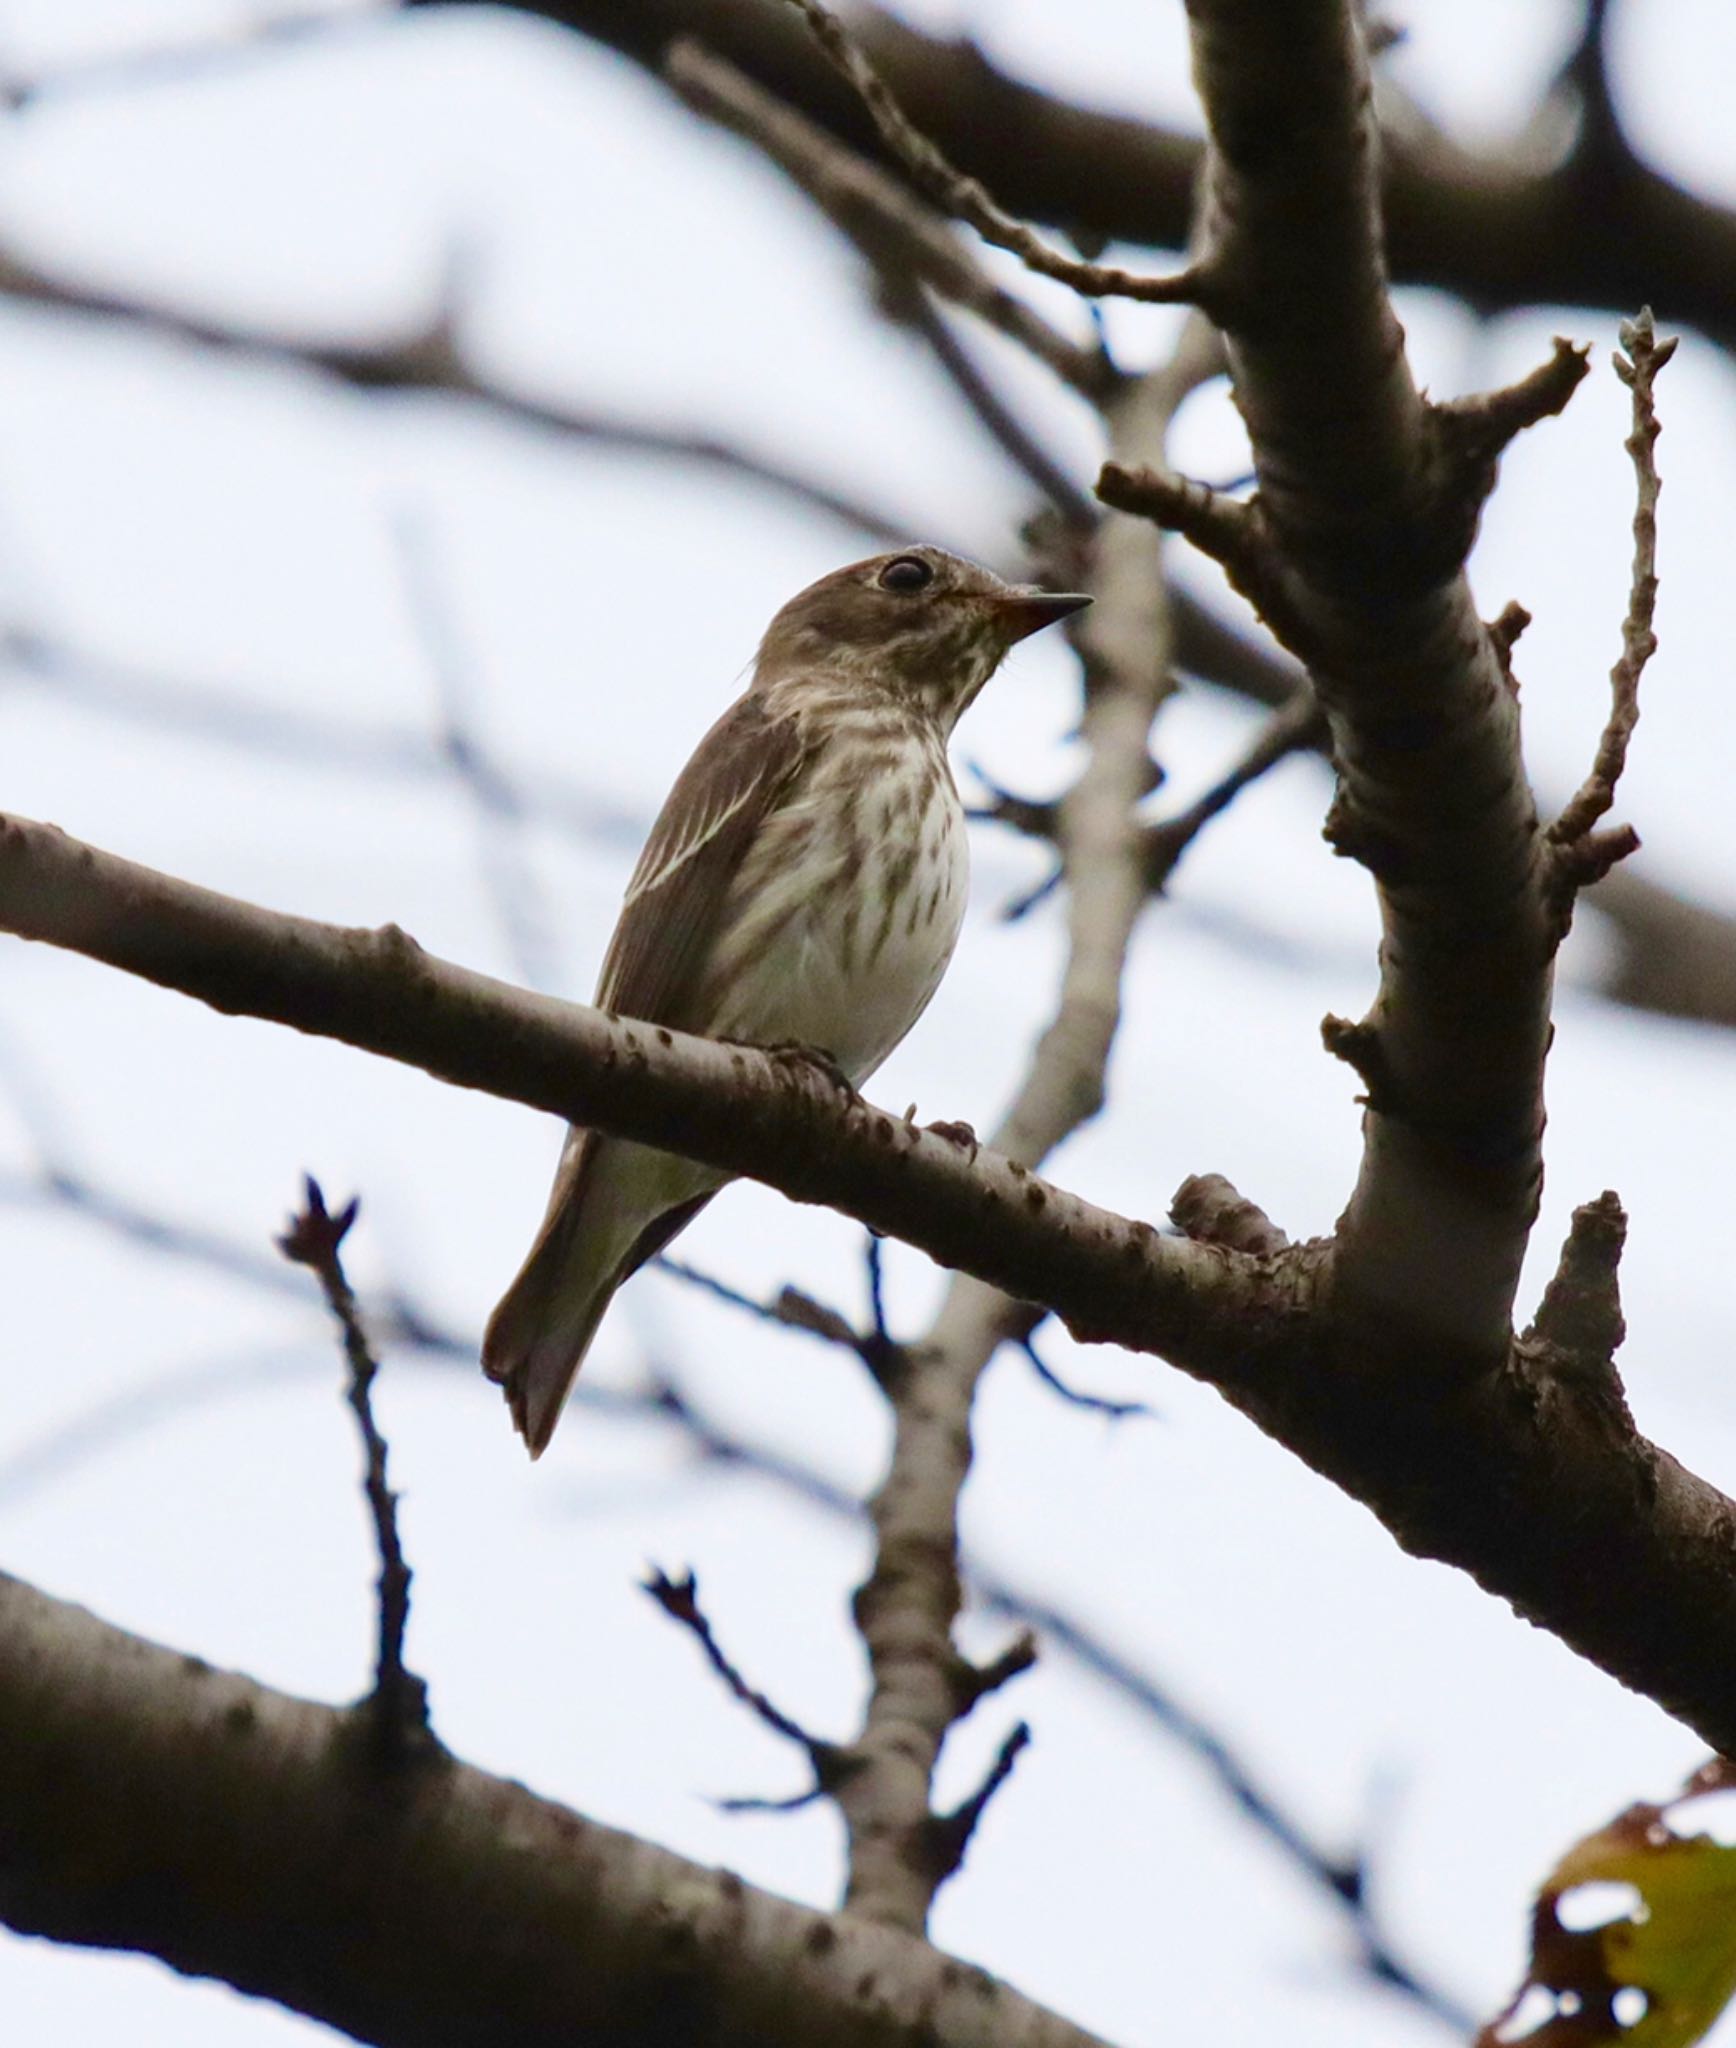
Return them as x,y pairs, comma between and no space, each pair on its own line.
148,1801
1545,1496
140,1795
907,1607
1365,513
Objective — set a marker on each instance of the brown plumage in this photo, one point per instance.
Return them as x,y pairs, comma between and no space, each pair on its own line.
804,882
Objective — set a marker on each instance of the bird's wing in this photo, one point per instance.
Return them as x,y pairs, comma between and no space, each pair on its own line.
538,1334
668,921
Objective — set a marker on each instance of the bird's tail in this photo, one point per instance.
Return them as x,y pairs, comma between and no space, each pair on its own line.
537,1337
613,1207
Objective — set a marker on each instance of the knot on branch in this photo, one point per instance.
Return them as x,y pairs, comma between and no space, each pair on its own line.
1579,1326
1209,1210
1352,837
394,949
1359,1047
1504,632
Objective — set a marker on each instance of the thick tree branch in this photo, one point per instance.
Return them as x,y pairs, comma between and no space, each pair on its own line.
443,1909
734,1106
1598,228
910,1600
1354,546
1554,1503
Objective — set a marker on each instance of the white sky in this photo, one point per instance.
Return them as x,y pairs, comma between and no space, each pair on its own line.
229,525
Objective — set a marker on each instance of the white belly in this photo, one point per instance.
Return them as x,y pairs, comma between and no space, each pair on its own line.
846,919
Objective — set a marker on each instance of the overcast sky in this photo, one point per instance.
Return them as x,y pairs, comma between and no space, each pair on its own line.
232,532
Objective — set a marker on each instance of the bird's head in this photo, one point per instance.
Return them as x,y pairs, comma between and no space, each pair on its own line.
925,627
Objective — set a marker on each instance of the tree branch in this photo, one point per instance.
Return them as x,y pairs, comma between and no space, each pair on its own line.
445,1909
728,1105
877,214
396,1711
1354,546
908,1604
1498,231
964,197
1585,854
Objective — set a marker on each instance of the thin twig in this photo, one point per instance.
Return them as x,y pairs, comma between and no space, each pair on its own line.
791,1308
520,907
1638,369
679,1599
874,1258
1097,1404
966,199
433,358
914,309
949,1833
397,1708
878,214
1296,727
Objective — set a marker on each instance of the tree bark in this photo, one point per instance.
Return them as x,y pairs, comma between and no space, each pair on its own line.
150,1802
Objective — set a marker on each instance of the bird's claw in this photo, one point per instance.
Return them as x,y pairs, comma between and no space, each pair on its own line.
814,1059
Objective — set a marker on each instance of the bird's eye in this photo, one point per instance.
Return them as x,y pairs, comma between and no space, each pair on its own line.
906,572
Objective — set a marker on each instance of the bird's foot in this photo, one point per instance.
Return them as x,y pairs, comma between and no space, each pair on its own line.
813,1059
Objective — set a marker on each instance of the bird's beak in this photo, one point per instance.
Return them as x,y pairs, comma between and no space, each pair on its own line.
1024,611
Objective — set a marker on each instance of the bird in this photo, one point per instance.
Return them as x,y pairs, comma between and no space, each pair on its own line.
803,884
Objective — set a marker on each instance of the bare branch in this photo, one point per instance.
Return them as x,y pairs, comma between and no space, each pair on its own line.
679,1599
397,1709
727,1105
949,1833
965,198
1340,1876
465,1909
1075,1397
1500,230
1583,858
906,1608
877,213
1221,527
1476,430
1296,727
1015,436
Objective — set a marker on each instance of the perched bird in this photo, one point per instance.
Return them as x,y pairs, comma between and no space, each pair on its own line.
804,884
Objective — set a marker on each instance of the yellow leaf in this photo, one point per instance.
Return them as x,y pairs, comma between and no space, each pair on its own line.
1633,1939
